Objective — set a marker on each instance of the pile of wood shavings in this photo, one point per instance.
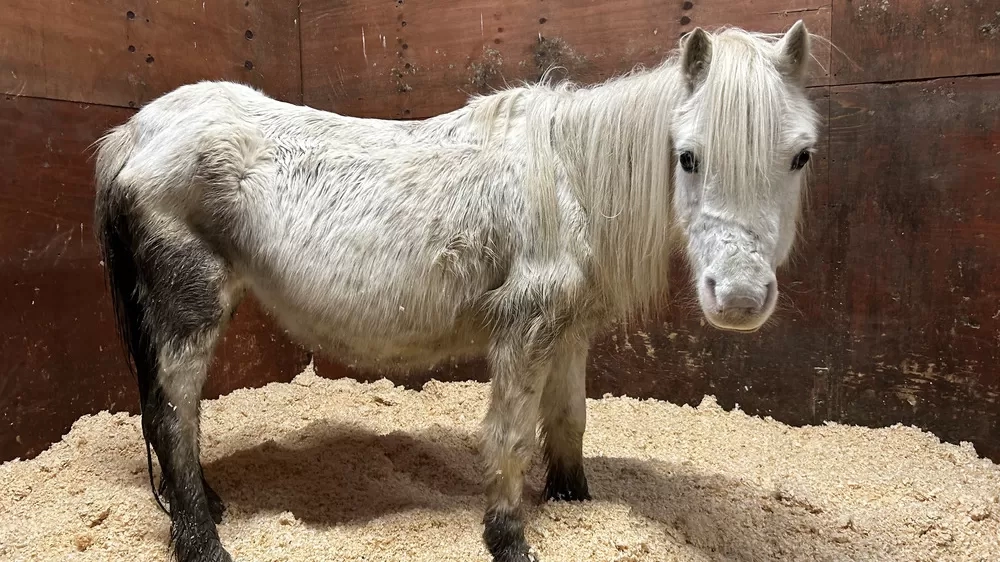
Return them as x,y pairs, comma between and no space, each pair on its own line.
319,469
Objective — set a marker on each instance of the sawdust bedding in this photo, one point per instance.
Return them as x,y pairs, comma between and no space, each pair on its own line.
319,469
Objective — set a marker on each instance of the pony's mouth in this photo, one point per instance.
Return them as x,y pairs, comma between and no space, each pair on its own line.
743,317
730,328
739,321
741,330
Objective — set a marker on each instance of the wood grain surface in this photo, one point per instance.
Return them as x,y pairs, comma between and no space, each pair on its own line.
127,52
418,58
892,40
59,354
889,312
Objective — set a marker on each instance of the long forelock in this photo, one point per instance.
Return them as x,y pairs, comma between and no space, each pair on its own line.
739,115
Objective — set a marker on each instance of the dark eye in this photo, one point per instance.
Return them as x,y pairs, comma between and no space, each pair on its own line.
800,160
688,162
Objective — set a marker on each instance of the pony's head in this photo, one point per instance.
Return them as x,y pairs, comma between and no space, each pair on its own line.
742,139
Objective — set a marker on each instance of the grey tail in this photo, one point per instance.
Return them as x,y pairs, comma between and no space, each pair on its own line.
117,237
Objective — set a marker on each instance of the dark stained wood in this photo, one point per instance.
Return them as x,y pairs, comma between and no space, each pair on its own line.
918,165
419,58
766,16
59,355
890,40
412,58
472,370
889,312
126,53
592,41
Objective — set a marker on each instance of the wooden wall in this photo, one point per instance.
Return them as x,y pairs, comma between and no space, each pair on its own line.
69,71
890,311
889,314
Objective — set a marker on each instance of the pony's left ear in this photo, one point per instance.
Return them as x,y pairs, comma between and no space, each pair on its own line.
794,48
697,53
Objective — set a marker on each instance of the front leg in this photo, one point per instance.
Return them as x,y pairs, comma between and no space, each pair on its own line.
508,442
564,420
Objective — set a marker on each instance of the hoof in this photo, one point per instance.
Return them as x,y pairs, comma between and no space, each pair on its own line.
566,484
519,557
212,551
504,537
215,505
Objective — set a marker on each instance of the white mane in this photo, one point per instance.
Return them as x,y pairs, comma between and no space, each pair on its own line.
612,141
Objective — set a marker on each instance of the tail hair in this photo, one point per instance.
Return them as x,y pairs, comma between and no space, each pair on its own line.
117,236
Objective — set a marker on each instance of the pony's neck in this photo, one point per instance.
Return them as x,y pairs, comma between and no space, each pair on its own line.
614,143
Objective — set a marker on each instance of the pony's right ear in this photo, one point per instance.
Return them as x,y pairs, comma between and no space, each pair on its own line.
794,47
696,54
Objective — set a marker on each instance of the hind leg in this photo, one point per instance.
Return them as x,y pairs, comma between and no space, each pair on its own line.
184,285
564,420
215,504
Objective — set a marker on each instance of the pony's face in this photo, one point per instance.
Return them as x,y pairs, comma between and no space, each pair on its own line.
743,139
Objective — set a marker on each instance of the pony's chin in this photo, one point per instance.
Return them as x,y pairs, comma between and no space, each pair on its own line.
746,326
736,329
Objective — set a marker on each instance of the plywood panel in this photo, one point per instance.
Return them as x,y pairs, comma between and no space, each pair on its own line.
126,53
59,357
413,58
592,41
418,58
919,169
766,16
884,41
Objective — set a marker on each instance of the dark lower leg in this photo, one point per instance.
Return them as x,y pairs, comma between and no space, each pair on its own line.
215,503
171,418
504,536
566,482
187,298
564,420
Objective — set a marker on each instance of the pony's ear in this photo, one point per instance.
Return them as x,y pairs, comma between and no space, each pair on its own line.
794,49
697,53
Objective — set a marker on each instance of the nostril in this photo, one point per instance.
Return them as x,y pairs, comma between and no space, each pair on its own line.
713,298
769,291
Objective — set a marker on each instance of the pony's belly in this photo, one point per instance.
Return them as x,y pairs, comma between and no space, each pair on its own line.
401,354
372,274
419,328
386,349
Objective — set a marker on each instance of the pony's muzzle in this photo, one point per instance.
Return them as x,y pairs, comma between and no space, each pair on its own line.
740,306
